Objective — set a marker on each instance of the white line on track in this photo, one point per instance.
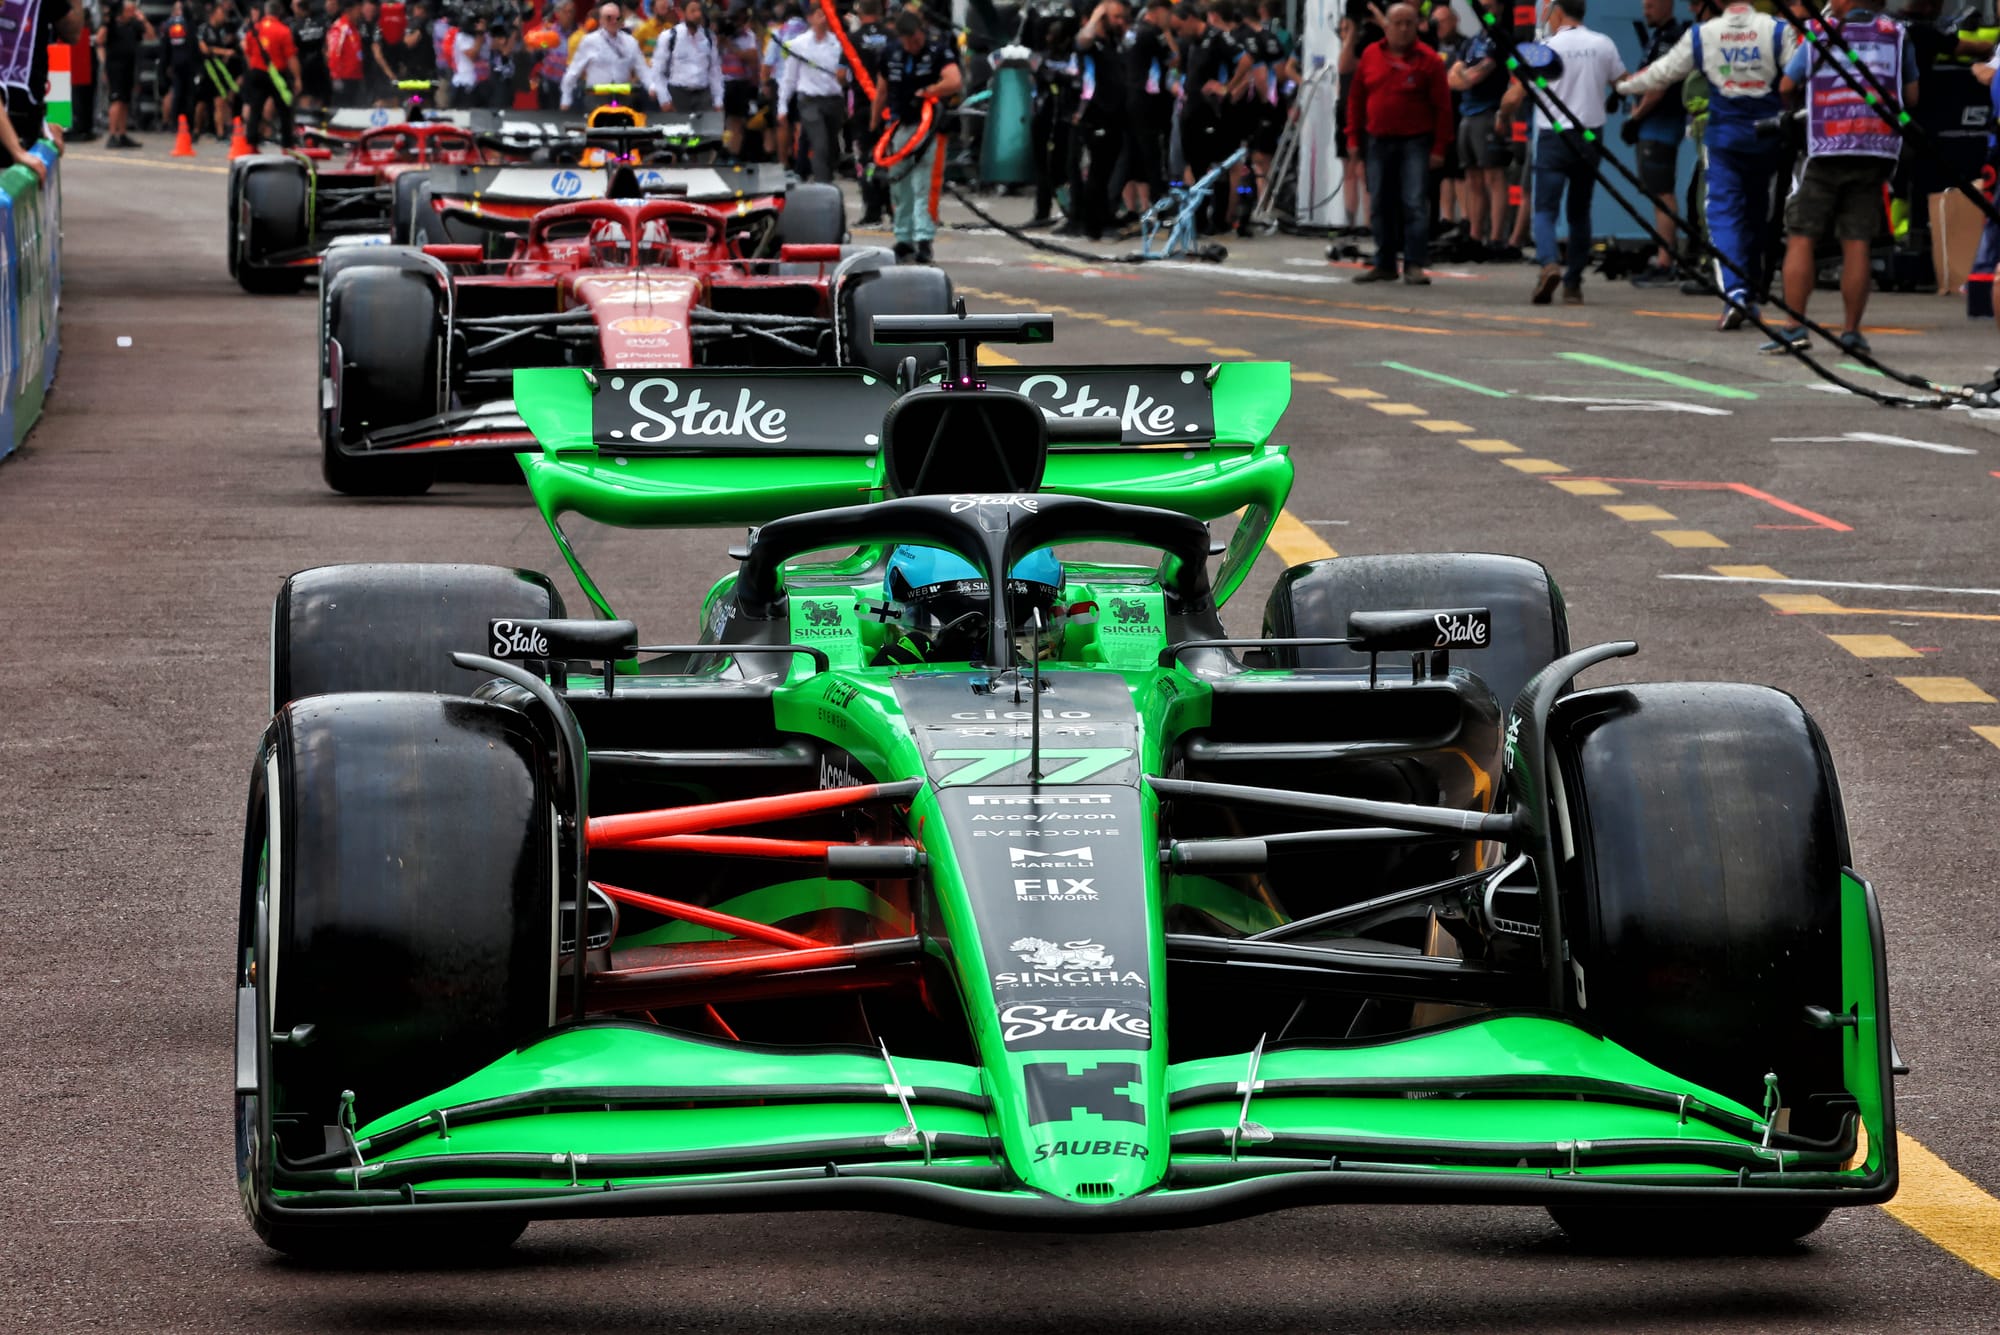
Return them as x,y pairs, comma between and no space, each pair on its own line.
1836,584
1598,405
1872,438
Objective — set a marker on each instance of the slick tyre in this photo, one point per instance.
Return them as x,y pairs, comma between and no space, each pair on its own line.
814,215
1702,901
399,911
907,290
271,223
384,353
1530,626
383,627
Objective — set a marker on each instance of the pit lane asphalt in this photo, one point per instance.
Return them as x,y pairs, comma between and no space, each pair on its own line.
174,482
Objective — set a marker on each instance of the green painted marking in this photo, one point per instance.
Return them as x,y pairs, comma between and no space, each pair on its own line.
1864,370
1443,379
1665,377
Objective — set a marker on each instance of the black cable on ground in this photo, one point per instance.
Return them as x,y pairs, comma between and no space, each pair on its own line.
1569,125
1889,106
1055,247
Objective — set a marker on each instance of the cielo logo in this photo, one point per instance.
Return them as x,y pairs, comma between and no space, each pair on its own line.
565,184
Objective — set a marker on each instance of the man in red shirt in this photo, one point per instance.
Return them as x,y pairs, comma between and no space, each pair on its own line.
343,57
268,48
1399,108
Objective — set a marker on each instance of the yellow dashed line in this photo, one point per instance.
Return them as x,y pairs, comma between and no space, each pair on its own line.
1157,333
1491,446
1688,537
1399,409
1747,572
1189,341
1588,488
1941,1203
1355,393
1121,324
1231,352
1874,646
988,357
1311,377
1991,734
1947,691
1535,465
141,162
1294,542
1799,603
1087,315
1443,427
1638,513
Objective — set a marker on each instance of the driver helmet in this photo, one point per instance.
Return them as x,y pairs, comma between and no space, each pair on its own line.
944,600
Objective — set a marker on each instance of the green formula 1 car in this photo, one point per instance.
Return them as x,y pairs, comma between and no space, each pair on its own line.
958,871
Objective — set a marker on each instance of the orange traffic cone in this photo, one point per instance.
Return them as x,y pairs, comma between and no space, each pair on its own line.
183,142
239,147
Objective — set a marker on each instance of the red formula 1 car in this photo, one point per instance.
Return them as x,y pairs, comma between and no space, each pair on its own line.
421,343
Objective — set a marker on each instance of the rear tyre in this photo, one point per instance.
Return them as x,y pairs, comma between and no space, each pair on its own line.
385,353
1703,907
814,215
1530,626
271,221
910,289
393,627
409,919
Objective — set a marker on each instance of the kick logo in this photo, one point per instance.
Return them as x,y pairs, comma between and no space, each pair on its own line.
1056,1094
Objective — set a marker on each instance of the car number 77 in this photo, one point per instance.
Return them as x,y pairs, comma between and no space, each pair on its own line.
987,763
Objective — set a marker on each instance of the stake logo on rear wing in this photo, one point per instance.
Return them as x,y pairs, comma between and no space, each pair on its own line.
715,412
1155,405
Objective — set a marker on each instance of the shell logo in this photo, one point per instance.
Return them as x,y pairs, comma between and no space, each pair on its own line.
645,324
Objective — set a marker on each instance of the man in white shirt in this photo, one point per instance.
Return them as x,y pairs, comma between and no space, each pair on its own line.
607,54
815,73
687,67
1591,66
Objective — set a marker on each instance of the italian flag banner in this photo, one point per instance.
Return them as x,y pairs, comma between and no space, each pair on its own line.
59,113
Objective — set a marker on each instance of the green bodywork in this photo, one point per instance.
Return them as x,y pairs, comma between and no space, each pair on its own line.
1465,1108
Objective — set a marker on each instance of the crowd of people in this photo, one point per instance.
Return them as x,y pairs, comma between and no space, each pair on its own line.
1437,134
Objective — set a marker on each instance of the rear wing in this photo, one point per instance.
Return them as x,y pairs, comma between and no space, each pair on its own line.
527,184
732,448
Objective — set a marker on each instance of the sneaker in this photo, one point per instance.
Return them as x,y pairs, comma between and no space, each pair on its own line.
904,250
1376,276
1416,278
1733,318
1790,337
873,220
1040,220
1855,341
1572,296
1545,284
121,141
923,252
1655,275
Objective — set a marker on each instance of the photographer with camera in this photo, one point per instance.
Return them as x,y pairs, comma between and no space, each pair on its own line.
1741,54
1851,150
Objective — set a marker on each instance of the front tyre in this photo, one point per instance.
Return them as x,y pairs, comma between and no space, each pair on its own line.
384,357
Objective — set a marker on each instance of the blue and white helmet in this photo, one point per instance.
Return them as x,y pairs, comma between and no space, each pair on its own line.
945,602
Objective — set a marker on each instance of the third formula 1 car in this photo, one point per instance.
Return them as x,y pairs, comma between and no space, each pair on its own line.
421,343
954,868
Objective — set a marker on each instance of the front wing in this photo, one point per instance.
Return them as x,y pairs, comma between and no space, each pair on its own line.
618,1119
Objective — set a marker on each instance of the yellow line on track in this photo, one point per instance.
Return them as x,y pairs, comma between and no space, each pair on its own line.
145,162
1947,691
1874,646
1293,541
1944,1205
1335,320
1410,310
